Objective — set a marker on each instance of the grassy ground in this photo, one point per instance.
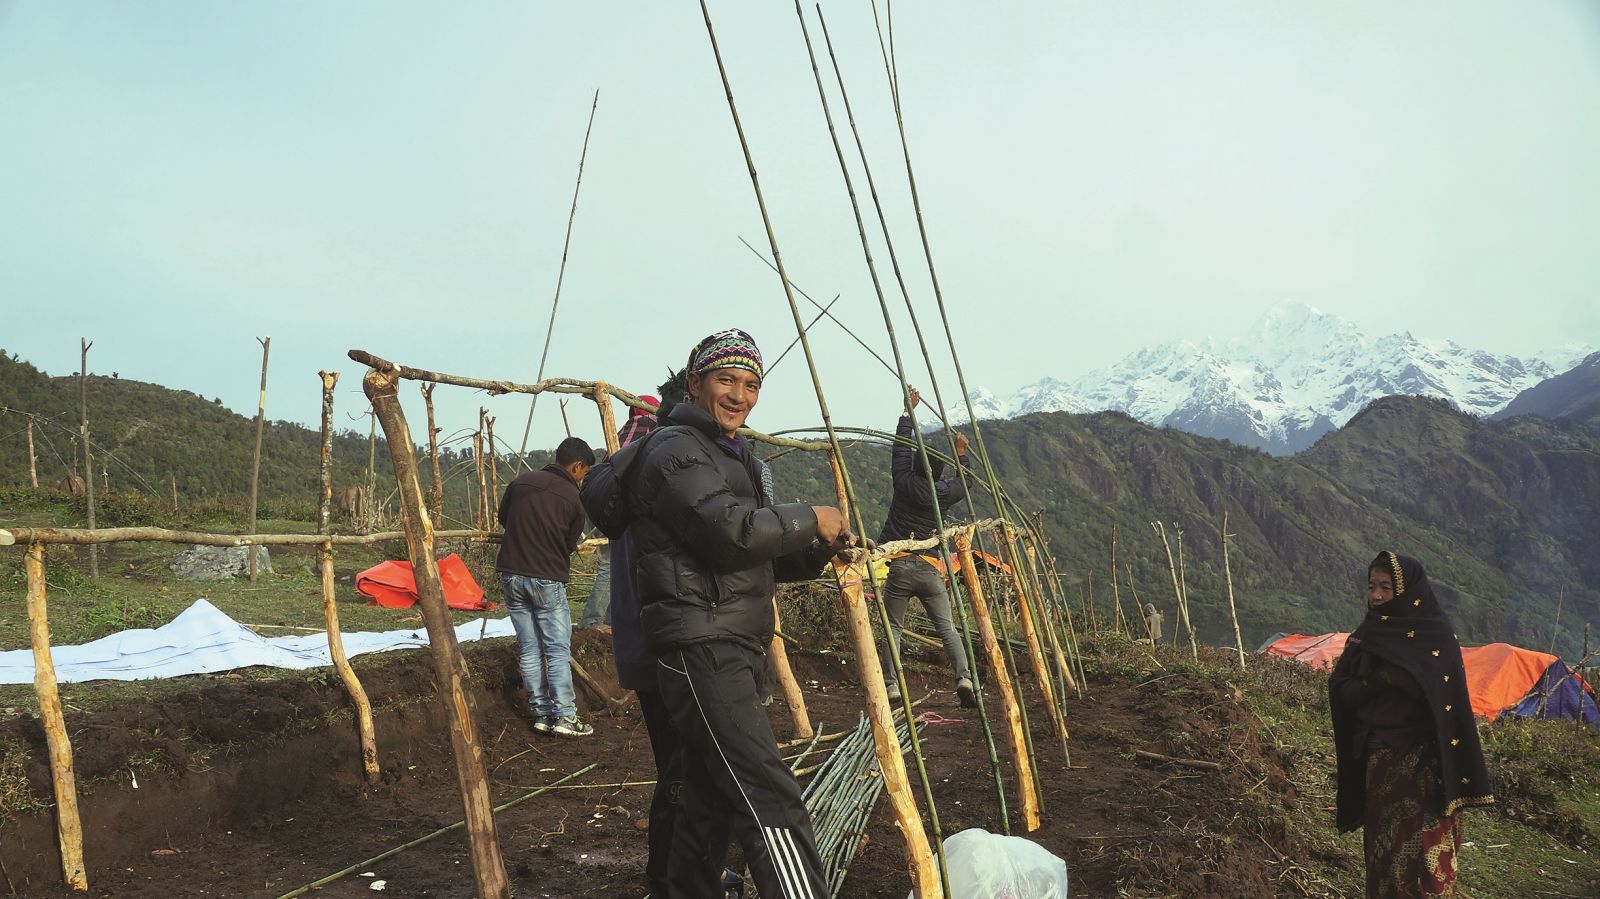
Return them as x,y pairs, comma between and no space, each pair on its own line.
137,590
1541,839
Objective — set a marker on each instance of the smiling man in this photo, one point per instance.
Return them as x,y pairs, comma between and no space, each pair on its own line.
710,550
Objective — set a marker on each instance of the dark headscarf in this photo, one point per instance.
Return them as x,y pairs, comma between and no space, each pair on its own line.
1413,634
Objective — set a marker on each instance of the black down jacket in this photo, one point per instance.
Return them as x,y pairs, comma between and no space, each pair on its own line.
710,550
911,507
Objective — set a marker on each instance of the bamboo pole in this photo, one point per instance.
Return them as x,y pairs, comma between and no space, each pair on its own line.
1177,591
69,829
919,856
1068,681
480,512
1026,789
1119,621
1233,610
1008,646
906,393
330,609
88,455
1075,652
450,669
792,695
436,489
561,275
1138,603
1089,611
1030,633
255,462
174,477
1183,586
925,881
493,504
33,464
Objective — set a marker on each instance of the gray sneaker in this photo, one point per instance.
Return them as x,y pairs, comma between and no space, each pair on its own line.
542,724
570,727
968,696
894,692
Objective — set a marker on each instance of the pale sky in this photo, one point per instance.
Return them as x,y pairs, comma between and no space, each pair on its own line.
177,178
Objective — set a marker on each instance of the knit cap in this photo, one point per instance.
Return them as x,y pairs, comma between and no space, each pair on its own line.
732,348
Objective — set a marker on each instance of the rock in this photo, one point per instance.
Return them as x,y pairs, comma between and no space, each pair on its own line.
216,563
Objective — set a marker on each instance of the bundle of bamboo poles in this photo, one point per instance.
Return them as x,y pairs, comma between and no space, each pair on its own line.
841,797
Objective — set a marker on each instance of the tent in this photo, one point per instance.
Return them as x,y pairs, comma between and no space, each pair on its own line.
1320,651
392,585
1501,679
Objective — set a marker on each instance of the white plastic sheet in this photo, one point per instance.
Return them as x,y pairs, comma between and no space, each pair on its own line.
202,639
985,865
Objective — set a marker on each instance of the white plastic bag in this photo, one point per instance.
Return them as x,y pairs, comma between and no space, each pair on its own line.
984,865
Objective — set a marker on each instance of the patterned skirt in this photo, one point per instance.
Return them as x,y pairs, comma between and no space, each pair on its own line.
1411,850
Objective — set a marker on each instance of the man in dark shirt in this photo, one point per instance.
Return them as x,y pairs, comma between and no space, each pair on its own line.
911,517
543,523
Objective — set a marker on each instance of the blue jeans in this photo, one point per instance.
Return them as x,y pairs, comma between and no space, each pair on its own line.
597,608
543,622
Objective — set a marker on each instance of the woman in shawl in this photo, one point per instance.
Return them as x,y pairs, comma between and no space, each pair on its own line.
1409,758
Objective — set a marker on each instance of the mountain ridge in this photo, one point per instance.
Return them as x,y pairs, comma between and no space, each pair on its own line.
1295,375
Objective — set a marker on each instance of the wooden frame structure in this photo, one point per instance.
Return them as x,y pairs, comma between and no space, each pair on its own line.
381,386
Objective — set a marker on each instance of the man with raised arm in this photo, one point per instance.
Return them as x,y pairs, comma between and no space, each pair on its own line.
917,574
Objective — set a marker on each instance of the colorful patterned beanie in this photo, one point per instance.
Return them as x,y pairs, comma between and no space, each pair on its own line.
726,349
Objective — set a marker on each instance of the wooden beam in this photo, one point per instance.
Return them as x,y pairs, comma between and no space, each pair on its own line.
792,695
365,731
69,829
1027,790
450,669
891,762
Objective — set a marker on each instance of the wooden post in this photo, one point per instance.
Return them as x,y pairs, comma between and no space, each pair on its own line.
330,611
1233,611
493,459
88,455
838,480
565,425
450,669
437,490
69,829
608,417
33,464
792,695
1026,789
891,762
174,477
1030,631
255,464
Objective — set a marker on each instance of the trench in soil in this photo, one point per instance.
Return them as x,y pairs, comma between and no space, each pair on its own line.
250,788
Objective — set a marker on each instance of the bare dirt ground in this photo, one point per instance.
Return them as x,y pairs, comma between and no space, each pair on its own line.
249,788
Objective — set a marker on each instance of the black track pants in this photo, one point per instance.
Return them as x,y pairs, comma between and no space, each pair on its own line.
734,779
668,751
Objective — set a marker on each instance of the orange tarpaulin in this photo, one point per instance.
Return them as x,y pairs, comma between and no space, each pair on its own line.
1499,675
392,585
1319,651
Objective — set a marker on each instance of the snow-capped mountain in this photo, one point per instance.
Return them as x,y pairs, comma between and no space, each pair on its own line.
1297,374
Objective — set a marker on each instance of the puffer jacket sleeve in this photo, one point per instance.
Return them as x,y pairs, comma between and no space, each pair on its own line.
726,532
